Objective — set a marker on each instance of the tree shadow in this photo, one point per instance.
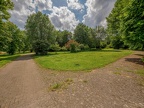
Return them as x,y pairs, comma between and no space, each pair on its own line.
140,55
25,57
135,60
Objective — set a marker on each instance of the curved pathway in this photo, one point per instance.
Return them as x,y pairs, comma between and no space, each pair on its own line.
24,85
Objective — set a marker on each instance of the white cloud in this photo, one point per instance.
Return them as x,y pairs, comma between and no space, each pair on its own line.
74,4
24,8
97,11
63,18
43,4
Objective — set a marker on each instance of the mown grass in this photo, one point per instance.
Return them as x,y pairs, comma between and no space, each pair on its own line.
63,61
4,58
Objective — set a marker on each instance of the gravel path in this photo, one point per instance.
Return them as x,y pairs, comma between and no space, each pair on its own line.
24,85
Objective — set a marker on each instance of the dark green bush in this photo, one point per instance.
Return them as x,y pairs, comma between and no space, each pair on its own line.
11,48
41,47
73,48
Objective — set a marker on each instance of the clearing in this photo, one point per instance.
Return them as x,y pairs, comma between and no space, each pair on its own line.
24,85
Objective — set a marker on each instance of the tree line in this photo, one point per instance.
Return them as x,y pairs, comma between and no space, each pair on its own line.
124,30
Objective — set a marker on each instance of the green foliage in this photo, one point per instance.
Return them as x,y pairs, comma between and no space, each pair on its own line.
63,37
126,21
40,29
41,47
80,61
54,47
63,48
72,45
103,44
5,5
12,39
81,34
4,59
81,47
133,24
73,48
117,42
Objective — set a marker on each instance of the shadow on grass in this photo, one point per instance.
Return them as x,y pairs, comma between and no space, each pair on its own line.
135,60
7,57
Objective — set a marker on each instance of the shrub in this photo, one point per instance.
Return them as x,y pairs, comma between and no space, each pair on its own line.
81,47
103,44
63,48
86,47
72,46
54,47
40,47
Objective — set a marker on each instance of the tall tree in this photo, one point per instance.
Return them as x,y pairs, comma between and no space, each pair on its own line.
81,34
40,29
114,23
5,5
97,35
15,38
133,24
63,37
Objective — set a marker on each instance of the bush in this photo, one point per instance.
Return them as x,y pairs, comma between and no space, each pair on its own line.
54,47
40,47
63,48
81,47
103,44
86,47
72,46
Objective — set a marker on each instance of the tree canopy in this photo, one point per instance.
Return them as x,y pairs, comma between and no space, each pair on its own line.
40,29
126,22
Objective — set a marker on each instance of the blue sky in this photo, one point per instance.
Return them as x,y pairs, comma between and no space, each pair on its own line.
64,14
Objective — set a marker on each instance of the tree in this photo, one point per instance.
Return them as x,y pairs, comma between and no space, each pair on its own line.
81,34
114,23
40,29
126,21
4,37
133,24
72,45
97,35
15,38
5,5
63,37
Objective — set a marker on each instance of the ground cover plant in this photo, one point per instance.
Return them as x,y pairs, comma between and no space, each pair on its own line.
80,61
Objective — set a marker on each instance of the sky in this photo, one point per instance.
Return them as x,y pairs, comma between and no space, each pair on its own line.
64,14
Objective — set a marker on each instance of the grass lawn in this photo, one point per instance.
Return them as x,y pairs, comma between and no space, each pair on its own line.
80,61
4,58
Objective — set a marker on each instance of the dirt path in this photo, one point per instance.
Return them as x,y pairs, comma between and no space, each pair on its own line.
24,85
